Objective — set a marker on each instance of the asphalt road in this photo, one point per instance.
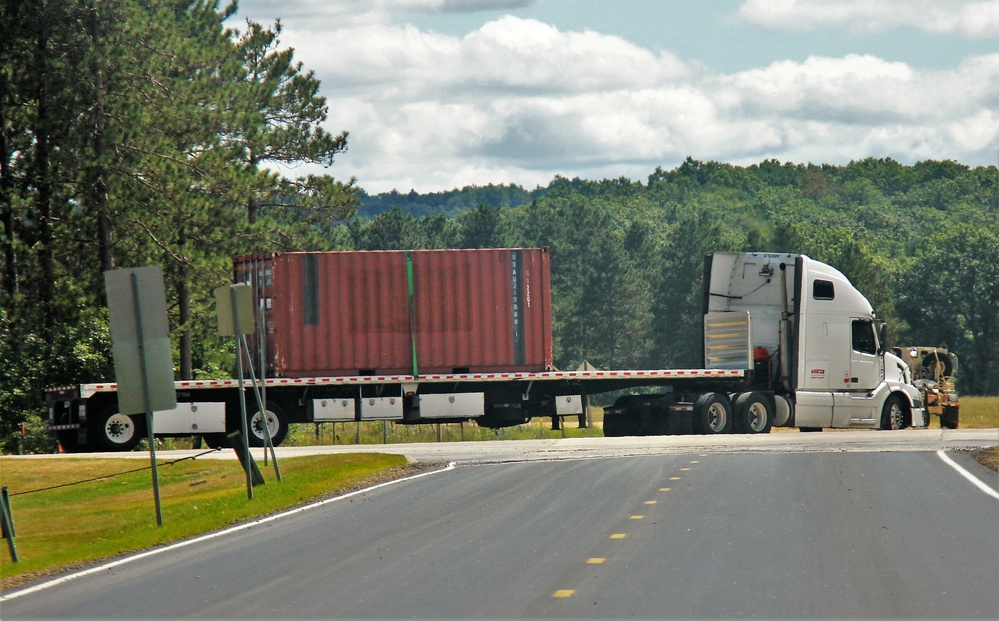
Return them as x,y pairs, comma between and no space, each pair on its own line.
700,535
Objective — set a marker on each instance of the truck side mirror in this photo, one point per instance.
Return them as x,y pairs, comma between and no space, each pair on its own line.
882,338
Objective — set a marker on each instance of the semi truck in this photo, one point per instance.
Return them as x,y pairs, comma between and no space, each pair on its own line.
813,352
451,336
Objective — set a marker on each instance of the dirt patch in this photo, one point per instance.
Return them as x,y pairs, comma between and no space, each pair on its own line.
989,457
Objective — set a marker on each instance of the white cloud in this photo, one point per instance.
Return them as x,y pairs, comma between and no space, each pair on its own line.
520,101
968,19
321,15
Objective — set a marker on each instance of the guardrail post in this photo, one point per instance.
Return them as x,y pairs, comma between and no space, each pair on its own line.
7,521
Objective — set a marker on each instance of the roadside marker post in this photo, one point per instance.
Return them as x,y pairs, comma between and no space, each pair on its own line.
236,319
7,521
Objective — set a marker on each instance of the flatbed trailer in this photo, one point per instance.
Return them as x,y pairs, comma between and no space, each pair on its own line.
86,418
465,335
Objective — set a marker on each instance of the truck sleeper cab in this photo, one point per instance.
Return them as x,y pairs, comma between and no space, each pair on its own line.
825,347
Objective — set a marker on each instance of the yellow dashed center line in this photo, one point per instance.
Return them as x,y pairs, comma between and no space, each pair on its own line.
622,536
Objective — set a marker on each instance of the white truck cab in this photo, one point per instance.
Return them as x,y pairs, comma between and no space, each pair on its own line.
825,348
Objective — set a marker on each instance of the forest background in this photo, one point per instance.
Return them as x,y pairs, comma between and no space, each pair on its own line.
138,132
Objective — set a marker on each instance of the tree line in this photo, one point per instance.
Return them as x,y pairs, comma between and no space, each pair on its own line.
921,241
139,132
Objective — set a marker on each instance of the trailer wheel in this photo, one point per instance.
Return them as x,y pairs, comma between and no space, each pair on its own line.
277,425
893,414
712,414
109,430
754,414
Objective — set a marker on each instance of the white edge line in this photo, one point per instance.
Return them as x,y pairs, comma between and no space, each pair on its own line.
971,478
214,534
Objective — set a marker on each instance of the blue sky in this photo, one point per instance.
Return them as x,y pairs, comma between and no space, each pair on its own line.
710,31
439,94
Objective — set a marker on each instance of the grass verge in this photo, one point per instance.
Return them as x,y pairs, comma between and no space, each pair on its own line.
979,412
60,528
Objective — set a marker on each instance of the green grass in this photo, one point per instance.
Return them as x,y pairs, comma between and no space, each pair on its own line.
64,527
377,432
978,412
374,432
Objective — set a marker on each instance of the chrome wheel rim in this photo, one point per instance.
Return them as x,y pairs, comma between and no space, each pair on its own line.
119,428
257,429
717,417
757,417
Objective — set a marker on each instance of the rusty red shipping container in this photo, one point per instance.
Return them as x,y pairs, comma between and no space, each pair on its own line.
347,313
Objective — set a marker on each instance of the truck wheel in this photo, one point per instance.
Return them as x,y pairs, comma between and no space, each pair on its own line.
893,414
753,414
277,425
939,363
109,430
949,417
712,414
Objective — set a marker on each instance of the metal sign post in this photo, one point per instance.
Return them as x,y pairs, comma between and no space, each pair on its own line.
236,319
7,523
230,300
258,393
140,340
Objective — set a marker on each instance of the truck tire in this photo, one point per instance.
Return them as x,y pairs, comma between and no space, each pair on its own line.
712,414
754,414
893,414
109,430
949,418
938,363
277,425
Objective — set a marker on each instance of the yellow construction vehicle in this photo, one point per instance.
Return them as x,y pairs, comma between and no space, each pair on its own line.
933,372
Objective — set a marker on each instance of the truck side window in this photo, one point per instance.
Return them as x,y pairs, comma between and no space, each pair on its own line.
823,290
863,337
